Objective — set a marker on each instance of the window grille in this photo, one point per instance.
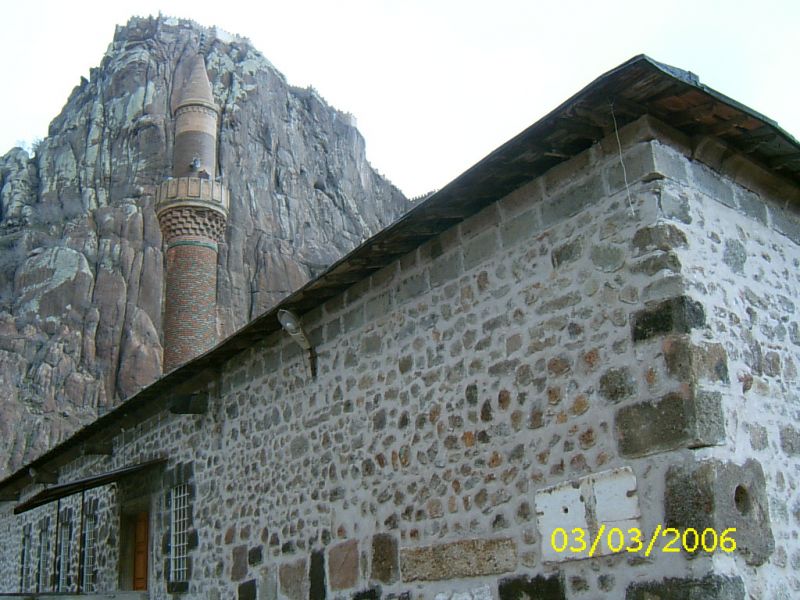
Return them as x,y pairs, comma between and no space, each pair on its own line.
64,547
179,528
26,570
87,583
43,569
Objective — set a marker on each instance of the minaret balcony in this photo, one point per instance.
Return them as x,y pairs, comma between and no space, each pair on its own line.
192,192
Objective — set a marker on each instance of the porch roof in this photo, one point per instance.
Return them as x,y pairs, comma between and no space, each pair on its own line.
79,485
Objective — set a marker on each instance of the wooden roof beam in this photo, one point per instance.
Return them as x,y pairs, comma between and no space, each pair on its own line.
778,162
9,496
582,127
189,404
42,476
98,448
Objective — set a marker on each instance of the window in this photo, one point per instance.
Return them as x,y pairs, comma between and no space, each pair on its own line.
179,533
87,581
64,551
26,570
180,538
43,561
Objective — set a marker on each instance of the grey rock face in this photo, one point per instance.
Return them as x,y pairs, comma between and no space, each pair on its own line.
81,264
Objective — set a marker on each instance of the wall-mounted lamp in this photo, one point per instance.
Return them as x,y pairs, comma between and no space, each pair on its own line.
291,324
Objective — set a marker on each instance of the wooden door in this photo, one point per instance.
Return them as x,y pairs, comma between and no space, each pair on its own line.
140,551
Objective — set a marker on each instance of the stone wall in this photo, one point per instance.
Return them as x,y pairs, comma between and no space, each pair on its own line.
578,354
740,261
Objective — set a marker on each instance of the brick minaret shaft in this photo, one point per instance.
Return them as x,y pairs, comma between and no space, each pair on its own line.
192,207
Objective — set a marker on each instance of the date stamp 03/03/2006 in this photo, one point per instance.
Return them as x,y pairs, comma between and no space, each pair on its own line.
580,543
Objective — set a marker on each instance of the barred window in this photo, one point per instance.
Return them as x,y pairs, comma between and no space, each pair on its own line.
64,552
43,561
89,537
26,564
179,533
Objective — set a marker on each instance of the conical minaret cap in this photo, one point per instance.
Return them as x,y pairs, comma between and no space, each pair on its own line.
197,88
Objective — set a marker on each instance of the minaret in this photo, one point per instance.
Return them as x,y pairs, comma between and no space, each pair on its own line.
192,207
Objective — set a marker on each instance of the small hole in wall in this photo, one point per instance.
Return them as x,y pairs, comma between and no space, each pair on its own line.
565,509
741,499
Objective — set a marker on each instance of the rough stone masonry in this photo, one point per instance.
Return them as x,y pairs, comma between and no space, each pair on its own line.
580,353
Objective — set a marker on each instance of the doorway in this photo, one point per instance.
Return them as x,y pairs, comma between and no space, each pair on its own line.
134,554
140,550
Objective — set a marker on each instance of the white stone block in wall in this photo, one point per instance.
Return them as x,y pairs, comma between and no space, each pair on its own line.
479,593
562,507
616,506
584,507
615,495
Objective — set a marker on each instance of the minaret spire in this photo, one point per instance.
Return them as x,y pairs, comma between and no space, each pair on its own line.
195,124
192,209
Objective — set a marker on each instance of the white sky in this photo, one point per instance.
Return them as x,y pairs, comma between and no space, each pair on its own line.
435,85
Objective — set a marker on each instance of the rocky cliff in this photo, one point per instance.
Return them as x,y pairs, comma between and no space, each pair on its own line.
80,248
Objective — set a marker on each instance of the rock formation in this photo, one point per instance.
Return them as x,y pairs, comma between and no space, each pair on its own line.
81,263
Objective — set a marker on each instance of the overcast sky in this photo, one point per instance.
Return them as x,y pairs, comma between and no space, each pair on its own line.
435,86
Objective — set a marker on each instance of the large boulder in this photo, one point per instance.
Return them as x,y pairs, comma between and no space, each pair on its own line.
81,263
